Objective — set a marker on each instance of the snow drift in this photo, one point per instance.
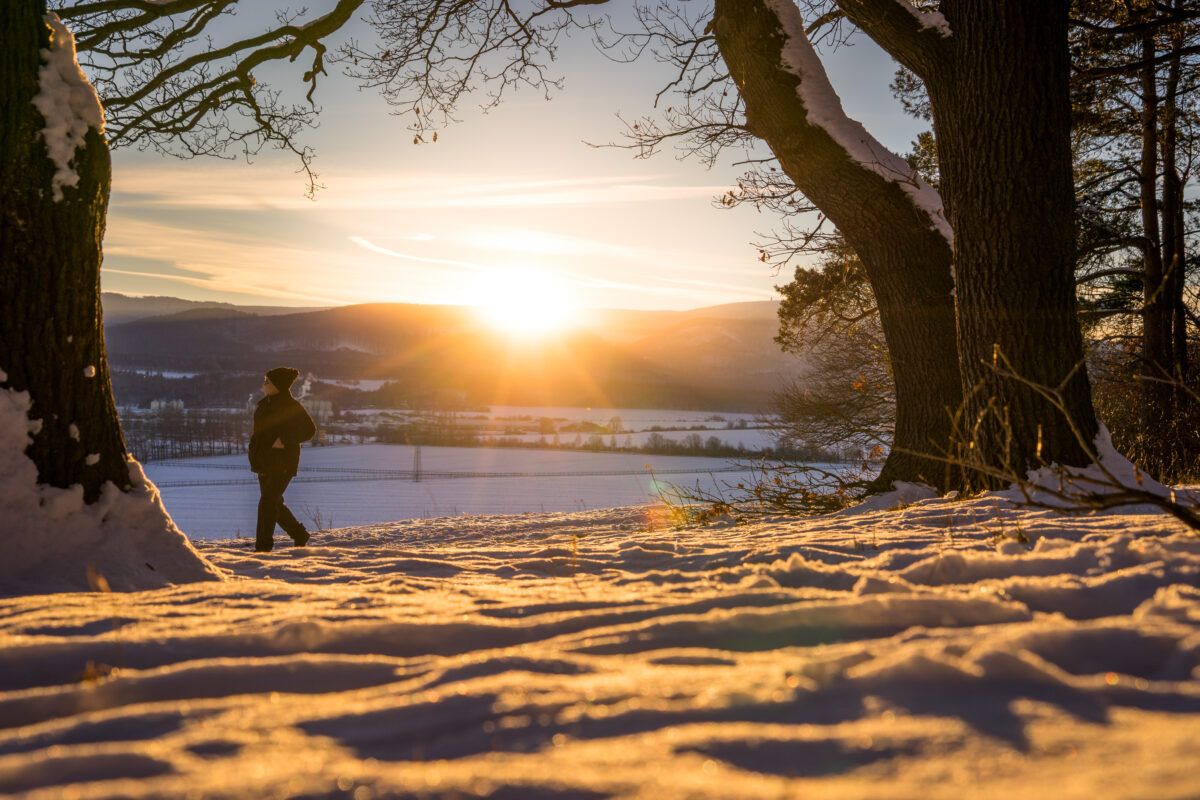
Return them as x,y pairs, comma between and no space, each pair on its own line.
52,540
947,649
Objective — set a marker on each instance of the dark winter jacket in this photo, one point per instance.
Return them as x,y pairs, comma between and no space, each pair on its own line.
279,416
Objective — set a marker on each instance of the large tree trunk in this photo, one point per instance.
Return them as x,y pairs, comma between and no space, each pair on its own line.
1002,118
907,261
51,340
54,381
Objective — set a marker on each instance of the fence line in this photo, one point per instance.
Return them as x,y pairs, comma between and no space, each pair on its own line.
409,475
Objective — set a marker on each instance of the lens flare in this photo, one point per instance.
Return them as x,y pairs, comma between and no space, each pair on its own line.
525,303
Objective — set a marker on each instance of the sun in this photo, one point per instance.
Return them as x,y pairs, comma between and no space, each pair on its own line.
525,303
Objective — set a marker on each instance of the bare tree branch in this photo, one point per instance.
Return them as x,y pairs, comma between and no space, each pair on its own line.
174,80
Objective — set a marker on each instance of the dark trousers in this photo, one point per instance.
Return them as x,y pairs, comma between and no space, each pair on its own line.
271,510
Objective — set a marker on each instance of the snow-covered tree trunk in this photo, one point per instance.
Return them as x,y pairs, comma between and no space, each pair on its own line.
61,449
883,208
54,185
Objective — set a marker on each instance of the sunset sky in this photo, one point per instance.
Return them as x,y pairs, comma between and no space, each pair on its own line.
509,204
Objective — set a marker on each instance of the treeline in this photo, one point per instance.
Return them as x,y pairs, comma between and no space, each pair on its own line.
175,433
206,389
694,444
211,383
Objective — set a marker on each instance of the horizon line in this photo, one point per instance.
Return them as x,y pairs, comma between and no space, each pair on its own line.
410,303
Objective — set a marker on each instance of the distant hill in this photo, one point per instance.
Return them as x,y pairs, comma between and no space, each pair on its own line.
721,357
121,308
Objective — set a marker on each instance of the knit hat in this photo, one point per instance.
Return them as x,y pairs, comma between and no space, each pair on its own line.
283,377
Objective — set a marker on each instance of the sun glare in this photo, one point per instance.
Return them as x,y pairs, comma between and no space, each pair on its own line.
525,303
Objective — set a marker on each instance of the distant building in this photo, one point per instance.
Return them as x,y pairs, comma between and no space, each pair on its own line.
166,405
319,409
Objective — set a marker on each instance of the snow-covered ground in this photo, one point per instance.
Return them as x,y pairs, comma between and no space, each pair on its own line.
943,650
217,497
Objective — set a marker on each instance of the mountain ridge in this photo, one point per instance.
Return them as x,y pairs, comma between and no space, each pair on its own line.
713,357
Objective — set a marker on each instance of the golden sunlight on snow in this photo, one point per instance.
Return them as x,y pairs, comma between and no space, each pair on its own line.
943,650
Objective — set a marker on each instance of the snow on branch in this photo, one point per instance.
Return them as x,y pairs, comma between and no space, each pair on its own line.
67,102
1108,481
823,109
933,20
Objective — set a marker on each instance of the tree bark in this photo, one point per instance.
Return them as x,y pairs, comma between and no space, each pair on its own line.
1002,117
51,338
907,261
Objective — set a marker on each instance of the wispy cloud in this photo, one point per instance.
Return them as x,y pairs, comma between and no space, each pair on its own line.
218,286
562,245
420,239
766,294
201,257
541,242
384,251
227,187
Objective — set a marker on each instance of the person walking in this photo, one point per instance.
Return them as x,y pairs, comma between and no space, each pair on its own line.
280,425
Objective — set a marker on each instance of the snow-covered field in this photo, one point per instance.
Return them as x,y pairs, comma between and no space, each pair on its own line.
362,484
943,650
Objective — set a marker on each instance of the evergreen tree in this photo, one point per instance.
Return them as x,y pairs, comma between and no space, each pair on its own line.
1136,114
